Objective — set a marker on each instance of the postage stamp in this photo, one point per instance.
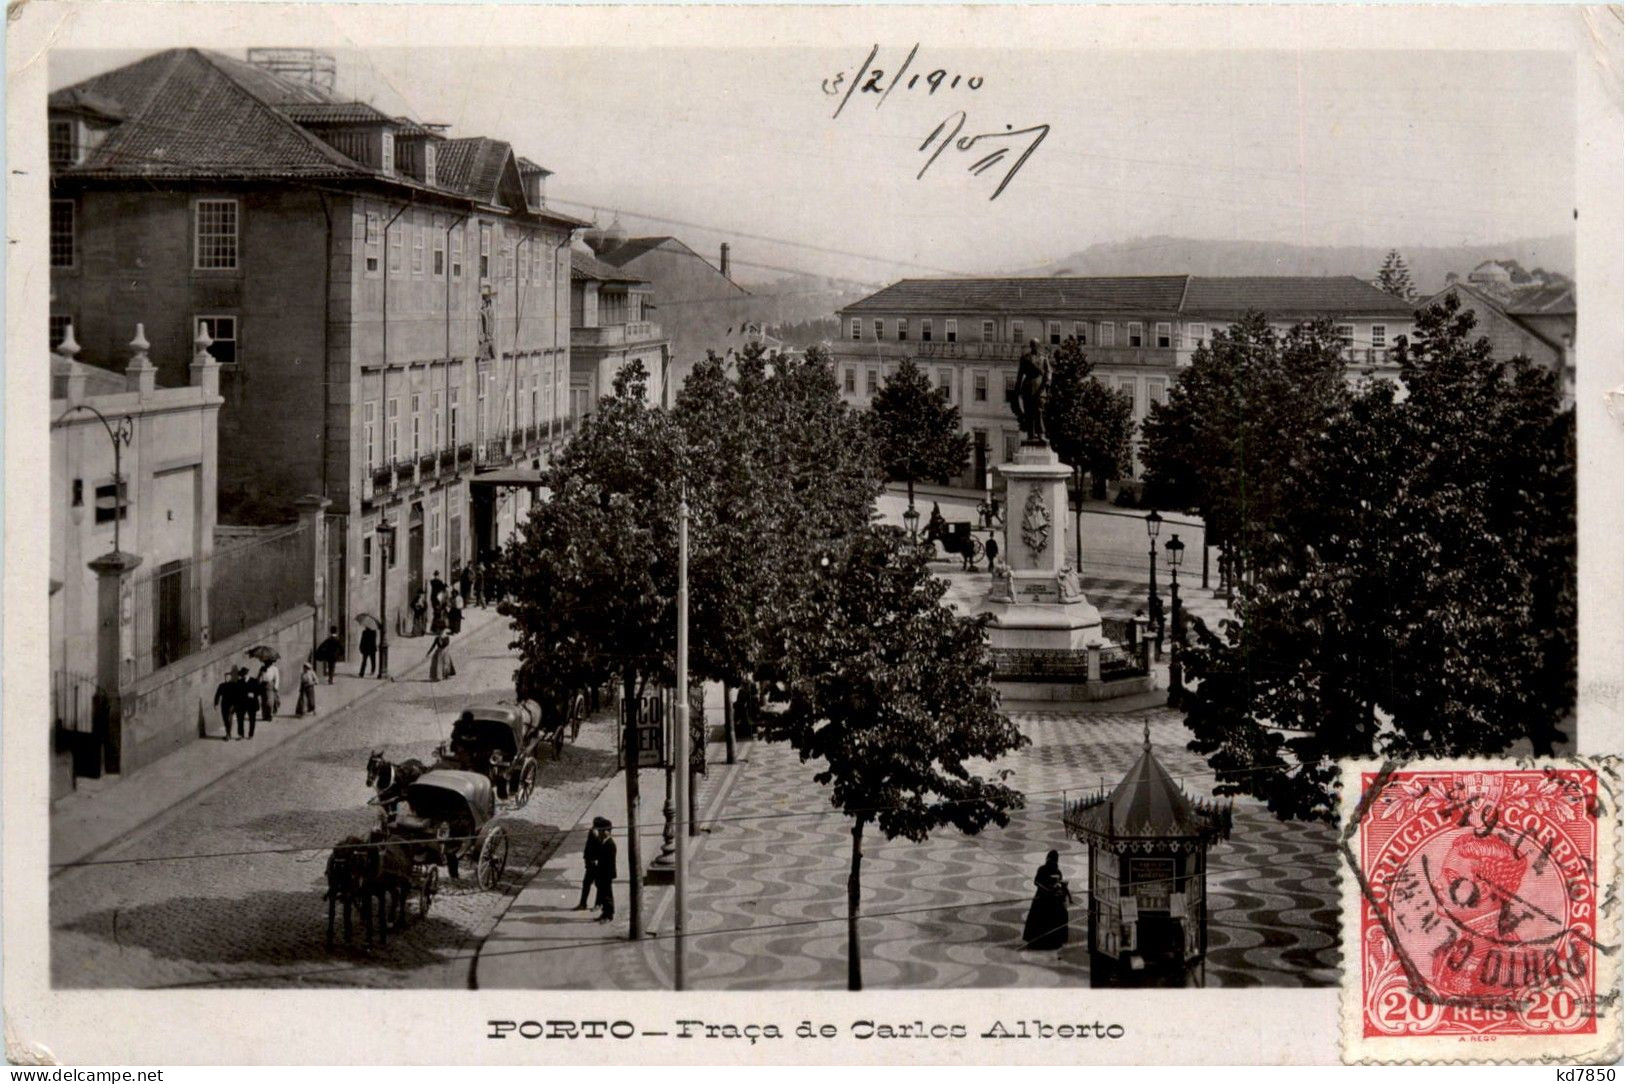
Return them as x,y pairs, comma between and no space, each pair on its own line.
1480,914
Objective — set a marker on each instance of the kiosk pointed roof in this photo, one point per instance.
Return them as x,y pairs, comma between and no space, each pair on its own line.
1147,811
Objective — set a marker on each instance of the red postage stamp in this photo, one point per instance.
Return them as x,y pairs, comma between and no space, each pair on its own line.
1480,914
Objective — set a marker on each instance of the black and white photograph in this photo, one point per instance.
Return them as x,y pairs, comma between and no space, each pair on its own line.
858,508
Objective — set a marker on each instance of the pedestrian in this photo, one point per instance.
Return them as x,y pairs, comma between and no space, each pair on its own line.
455,612
465,583
248,703
604,872
420,613
1134,626
227,695
478,579
270,689
369,650
1157,624
439,656
437,591
328,652
992,553
590,855
1047,921
306,704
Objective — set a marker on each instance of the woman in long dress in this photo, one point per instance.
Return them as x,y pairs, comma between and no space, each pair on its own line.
1046,926
440,664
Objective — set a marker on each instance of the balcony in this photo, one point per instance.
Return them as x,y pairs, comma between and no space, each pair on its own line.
465,453
448,458
383,479
615,334
847,349
428,465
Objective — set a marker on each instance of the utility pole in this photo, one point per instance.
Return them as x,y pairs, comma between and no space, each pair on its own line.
680,746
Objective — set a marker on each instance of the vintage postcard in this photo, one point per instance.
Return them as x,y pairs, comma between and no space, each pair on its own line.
812,534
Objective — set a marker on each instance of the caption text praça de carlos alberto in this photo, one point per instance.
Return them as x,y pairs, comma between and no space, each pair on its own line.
806,1029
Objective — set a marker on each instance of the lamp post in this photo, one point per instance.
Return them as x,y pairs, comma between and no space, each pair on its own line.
1153,525
1176,553
911,520
120,432
386,546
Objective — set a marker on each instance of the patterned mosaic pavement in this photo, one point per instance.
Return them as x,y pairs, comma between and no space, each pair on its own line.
767,891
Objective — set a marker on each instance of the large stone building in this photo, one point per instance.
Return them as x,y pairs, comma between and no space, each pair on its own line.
1536,320
1139,331
389,306
610,327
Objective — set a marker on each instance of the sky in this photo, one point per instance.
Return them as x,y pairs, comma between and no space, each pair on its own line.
1389,148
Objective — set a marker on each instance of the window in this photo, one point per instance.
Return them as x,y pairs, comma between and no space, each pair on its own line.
524,266
434,529
1345,334
389,152
1165,335
485,250
925,331
64,148
417,413
366,554
457,253
439,251
1126,386
112,502
857,329
62,248
870,380
1379,336
945,383
1009,384
950,330
850,380
979,389
59,328
374,239
1197,334
1080,332
902,331
418,230
223,330
1108,333
392,435
428,163
1136,333
1017,330
395,249
1055,333
535,398
1156,389
452,402
880,330
216,235
369,437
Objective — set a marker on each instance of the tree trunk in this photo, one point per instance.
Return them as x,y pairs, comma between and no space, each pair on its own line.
911,494
854,958
728,721
634,863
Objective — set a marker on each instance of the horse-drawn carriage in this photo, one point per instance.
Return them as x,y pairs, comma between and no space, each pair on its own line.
450,818
957,539
499,741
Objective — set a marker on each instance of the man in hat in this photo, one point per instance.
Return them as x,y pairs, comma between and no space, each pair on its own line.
590,854
604,871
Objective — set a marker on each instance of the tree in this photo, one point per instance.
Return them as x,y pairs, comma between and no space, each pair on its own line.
1420,598
893,692
1235,419
1395,277
592,571
916,429
1089,425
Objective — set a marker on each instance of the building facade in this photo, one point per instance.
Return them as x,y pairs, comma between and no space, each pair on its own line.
1139,331
610,327
1536,321
388,305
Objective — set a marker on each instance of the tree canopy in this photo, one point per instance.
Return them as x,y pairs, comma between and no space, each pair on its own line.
916,429
1089,425
1395,276
1420,597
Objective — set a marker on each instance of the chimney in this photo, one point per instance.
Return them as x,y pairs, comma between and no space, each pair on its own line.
725,261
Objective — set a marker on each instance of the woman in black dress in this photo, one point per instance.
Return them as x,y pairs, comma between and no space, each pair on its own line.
1046,926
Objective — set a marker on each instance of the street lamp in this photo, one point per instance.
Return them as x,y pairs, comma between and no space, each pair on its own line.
1176,554
1153,525
911,520
120,432
386,546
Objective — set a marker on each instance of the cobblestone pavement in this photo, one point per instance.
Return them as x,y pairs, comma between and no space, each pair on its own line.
767,891
146,917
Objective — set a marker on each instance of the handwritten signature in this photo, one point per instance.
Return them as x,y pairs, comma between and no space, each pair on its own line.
993,147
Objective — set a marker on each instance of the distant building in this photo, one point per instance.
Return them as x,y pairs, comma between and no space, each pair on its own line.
1139,331
1535,319
609,327
700,306
388,305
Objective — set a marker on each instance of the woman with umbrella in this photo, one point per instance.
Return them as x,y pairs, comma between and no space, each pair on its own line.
1047,920
439,656
270,679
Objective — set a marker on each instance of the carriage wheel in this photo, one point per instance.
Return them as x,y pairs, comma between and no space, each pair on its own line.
578,712
975,549
493,858
527,783
426,895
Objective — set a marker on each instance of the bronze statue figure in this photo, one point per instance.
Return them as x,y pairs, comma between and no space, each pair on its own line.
1032,388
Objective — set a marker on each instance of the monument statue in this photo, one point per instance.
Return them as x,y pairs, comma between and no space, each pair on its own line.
1032,389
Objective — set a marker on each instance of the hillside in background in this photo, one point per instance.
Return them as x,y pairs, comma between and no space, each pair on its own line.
1185,255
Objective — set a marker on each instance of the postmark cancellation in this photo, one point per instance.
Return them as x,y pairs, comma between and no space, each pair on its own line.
1481,911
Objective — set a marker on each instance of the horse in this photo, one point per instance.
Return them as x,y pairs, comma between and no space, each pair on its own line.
956,538
385,875
390,780
344,867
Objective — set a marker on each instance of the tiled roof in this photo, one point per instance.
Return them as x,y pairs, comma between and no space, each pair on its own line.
1192,295
633,247
1291,296
1554,299
336,113
472,166
1133,293
195,114
77,99
527,166
585,267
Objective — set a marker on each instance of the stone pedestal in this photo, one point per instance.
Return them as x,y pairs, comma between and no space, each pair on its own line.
1036,602
115,644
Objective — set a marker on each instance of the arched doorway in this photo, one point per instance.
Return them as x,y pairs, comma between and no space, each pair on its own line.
414,552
